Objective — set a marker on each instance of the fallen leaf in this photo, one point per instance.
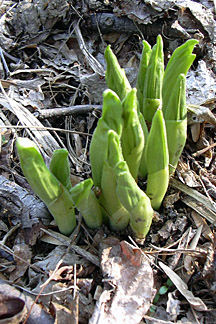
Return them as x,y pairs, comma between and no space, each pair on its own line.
62,314
182,287
128,289
12,309
206,231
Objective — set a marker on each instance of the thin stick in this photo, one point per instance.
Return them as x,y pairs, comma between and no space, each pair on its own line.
46,128
66,111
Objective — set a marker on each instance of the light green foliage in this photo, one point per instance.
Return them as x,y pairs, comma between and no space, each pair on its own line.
86,202
111,119
146,53
132,139
157,160
152,90
115,76
117,214
143,167
122,147
179,63
134,200
46,186
60,167
176,122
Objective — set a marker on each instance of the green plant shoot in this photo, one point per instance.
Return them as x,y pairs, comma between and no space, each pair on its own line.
134,200
122,147
87,204
152,89
143,166
157,159
176,122
46,186
132,139
179,63
60,167
117,215
82,194
111,119
146,53
115,76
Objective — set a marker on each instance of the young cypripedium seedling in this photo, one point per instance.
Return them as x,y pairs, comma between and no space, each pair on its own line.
157,160
111,119
146,53
132,139
134,200
87,204
176,122
152,90
118,216
46,186
60,167
115,76
179,63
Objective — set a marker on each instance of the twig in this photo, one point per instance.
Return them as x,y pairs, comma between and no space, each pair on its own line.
66,241
197,153
8,234
173,251
155,320
41,128
44,294
67,111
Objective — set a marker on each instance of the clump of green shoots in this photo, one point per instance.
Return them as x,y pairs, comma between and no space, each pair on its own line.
123,148
53,186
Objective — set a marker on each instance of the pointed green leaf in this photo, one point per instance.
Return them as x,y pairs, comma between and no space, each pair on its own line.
86,202
111,119
46,186
115,76
118,215
134,200
176,138
146,53
132,139
157,160
176,122
143,165
60,167
176,107
179,63
157,156
152,92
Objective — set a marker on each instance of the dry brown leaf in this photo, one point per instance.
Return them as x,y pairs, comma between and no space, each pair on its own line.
189,260
195,302
12,309
22,257
62,314
196,200
171,199
206,230
128,288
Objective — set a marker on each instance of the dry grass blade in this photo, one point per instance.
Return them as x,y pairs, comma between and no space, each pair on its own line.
67,241
95,65
26,118
195,302
196,200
